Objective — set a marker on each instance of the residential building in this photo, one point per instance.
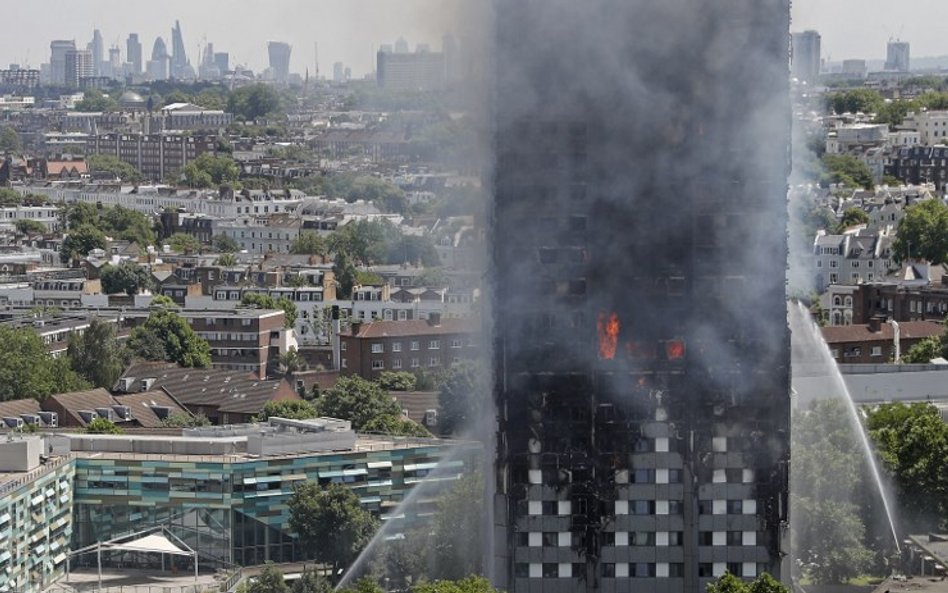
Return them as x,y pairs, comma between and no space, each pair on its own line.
154,155
19,78
638,237
186,116
854,257
57,61
874,342
419,71
79,67
430,345
806,61
279,53
920,165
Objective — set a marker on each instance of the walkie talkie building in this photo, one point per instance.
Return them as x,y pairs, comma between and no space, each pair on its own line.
639,249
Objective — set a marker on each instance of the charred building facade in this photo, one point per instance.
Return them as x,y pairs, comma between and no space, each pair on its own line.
641,345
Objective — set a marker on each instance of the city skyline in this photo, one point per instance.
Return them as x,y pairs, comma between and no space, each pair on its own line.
347,32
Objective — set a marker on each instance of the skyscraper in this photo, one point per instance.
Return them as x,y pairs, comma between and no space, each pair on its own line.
806,56
57,60
97,48
180,67
158,65
279,60
78,67
133,51
898,56
639,240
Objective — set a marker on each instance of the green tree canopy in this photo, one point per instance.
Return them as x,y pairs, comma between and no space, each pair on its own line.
226,244
397,381
392,425
27,369
310,243
127,277
460,397
184,243
855,101
331,525
468,584
79,242
846,170
107,163
103,426
128,225
293,409
253,101
95,100
311,581
9,139
185,420
357,400
167,336
923,233
97,355
852,217
728,583
30,227
209,170
263,301
270,580
458,533
923,352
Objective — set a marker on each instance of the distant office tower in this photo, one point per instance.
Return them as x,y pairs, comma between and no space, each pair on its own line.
401,46
898,56
133,51
208,69
419,71
97,47
641,345
158,66
386,48
449,47
222,59
806,56
279,60
855,68
57,60
78,67
180,66
115,63
338,72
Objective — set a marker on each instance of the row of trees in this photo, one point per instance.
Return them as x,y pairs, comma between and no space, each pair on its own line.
271,580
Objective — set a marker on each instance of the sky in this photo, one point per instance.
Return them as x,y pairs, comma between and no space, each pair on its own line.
349,31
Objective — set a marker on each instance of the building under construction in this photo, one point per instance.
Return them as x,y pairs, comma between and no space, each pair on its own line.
639,241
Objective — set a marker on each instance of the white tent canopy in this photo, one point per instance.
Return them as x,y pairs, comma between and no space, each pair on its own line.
149,543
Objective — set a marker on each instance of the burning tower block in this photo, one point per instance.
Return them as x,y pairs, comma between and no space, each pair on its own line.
642,352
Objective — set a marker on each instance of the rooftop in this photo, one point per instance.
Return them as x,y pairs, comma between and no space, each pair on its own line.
421,327
909,330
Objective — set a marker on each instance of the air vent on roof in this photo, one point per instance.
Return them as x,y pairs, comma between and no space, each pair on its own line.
13,421
50,419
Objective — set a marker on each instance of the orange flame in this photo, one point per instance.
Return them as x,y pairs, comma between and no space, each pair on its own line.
675,349
608,328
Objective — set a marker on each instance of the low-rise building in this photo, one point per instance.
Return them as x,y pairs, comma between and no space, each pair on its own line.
874,342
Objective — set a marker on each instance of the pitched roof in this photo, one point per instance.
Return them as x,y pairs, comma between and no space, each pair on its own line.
15,407
416,403
74,401
415,327
142,405
908,330
230,391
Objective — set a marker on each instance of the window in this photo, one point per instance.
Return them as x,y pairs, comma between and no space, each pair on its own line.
396,346
378,365
378,348
397,363
434,344
344,363
877,350
833,263
434,361
455,343
855,264
342,346
415,345
415,363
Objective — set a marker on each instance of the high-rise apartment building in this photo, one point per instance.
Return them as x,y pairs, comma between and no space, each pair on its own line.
641,346
898,56
57,60
403,71
133,51
279,60
806,56
78,67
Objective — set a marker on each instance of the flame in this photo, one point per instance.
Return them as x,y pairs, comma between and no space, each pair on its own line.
674,349
608,328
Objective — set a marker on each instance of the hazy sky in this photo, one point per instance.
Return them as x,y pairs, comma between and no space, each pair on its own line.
349,30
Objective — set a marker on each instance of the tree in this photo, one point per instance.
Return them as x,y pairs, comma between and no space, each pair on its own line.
270,580
127,277
291,362
209,170
263,301
459,397
27,369
468,584
846,170
253,101
30,227
80,242
102,426
95,100
765,583
331,525
728,583
923,233
129,225
357,400
345,273
433,278
458,532
923,352
292,409
166,336
81,213
226,260
852,217
311,581
9,140
184,243
310,243
225,244
392,425
97,355
912,441
363,585
185,420
9,197
114,166
397,381
856,101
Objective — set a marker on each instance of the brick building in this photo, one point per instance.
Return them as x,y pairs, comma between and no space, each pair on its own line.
154,155
874,342
431,345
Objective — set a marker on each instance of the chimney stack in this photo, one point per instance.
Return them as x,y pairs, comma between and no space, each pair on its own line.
875,325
